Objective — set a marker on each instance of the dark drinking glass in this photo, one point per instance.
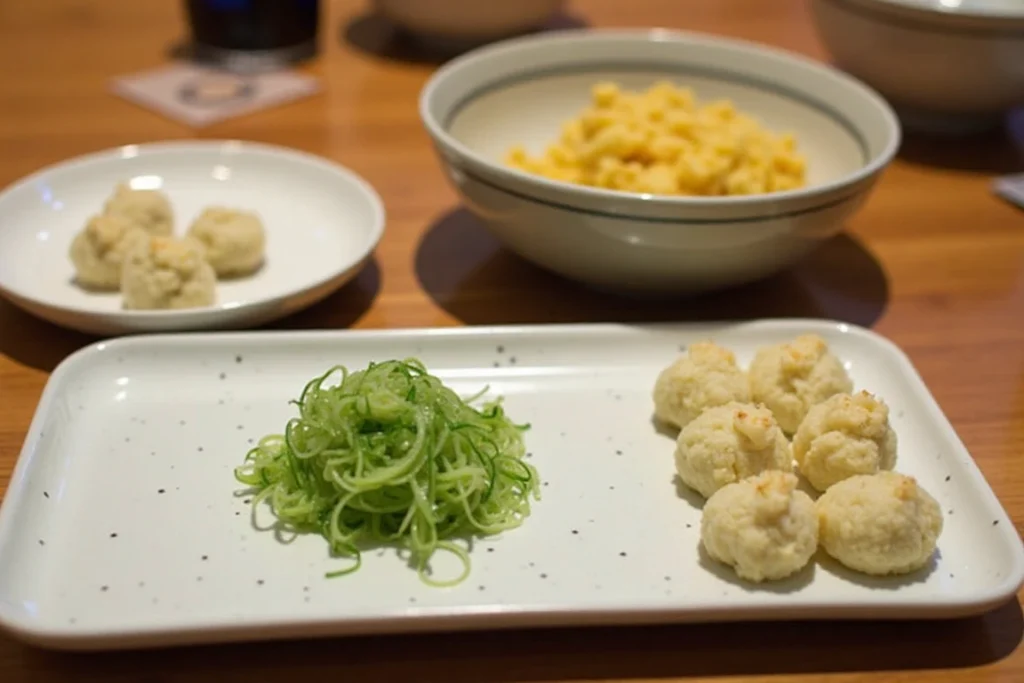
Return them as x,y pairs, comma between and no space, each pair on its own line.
284,29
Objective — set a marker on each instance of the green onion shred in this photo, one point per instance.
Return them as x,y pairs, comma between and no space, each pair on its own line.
390,455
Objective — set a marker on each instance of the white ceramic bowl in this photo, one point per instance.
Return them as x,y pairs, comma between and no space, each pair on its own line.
521,90
322,224
945,65
467,20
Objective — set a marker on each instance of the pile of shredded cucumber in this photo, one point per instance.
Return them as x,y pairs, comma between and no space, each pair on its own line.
389,454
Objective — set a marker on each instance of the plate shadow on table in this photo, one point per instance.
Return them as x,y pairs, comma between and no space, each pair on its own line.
34,342
595,653
1000,150
42,345
470,275
376,35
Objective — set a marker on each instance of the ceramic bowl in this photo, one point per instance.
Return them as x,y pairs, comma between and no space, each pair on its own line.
520,91
945,65
322,224
466,21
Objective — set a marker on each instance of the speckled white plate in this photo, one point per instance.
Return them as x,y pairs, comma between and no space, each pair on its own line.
121,527
322,223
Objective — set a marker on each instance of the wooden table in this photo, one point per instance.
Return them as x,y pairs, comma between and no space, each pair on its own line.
934,261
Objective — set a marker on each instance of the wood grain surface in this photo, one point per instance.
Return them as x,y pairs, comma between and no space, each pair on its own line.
934,261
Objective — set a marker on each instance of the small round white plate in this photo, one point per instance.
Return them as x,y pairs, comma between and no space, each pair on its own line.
322,223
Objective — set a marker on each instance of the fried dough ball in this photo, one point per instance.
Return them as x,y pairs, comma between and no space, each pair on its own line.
879,524
150,210
164,273
790,378
728,443
98,250
707,376
842,437
763,526
234,240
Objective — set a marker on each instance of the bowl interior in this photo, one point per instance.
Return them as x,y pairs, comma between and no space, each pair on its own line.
521,90
319,219
529,110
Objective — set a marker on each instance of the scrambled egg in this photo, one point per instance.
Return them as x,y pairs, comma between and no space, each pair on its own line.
664,142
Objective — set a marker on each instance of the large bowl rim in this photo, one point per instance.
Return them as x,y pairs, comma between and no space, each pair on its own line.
976,23
967,9
438,131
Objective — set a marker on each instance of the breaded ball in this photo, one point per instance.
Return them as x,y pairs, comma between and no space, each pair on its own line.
163,272
843,437
707,376
790,378
729,443
234,240
879,524
99,249
764,527
148,209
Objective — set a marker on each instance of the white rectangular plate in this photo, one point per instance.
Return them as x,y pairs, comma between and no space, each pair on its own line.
122,526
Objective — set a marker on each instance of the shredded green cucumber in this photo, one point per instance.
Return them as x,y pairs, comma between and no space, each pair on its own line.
389,454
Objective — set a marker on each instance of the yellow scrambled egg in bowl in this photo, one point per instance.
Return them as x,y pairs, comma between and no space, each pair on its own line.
664,141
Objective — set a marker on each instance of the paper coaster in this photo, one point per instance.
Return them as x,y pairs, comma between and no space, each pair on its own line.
199,96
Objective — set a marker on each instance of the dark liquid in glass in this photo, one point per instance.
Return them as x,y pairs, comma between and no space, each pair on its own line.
253,24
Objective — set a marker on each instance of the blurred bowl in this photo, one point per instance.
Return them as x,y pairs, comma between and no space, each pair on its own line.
466,22
945,65
520,91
